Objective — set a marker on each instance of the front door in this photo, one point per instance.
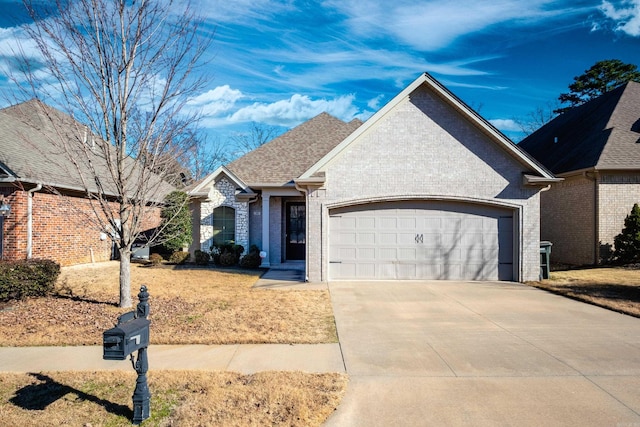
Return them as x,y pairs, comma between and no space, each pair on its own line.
296,231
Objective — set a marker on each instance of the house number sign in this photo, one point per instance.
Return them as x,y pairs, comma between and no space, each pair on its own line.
419,238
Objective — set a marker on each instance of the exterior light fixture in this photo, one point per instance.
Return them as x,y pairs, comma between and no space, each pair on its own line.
4,209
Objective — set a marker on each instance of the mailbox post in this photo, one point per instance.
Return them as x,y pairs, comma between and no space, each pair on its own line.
129,335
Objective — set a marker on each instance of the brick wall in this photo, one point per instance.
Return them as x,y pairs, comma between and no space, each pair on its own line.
568,220
423,148
617,192
63,228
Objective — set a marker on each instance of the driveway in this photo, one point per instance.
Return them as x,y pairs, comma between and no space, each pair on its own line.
482,354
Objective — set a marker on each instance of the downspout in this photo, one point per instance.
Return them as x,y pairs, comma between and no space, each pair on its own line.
30,219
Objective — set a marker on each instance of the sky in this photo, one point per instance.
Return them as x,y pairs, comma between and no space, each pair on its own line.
280,63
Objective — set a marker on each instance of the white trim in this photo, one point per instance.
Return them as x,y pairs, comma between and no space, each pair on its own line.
451,99
422,197
212,177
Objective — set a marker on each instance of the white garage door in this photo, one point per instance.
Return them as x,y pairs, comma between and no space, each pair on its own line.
421,240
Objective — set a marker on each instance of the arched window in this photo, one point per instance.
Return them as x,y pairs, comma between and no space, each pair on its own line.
224,225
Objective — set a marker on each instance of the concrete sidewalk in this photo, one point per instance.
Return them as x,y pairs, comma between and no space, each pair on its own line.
243,358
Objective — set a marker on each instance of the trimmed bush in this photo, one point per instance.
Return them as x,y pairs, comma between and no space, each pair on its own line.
155,259
202,258
251,260
179,257
217,251
28,278
228,259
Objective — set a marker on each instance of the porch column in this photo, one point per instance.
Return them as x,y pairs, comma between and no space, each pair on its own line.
265,229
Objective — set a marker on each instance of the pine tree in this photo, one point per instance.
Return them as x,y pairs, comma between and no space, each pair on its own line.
627,243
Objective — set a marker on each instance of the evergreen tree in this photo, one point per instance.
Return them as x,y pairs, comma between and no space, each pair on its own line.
601,78
176,221
627,243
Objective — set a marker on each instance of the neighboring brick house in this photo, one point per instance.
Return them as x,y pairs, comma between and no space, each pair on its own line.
425,189
51,216
595,147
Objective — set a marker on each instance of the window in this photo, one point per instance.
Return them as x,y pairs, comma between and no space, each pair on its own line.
224,225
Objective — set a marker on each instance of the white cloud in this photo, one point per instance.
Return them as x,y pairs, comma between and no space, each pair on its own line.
230,11
291,112
374,103
216,101
506,125
627,17
434,25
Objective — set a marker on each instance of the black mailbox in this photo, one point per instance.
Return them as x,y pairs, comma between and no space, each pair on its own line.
125,338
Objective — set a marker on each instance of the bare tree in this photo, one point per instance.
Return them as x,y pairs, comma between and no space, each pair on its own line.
537,118
206,156
257,134
125,69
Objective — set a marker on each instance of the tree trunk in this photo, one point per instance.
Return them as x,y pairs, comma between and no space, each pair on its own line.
125,278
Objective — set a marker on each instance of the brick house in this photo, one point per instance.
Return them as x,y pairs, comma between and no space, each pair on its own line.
51,215
595,147
424,189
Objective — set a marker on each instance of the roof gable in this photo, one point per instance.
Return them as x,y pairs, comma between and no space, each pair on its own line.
202,188
603,133
288,156
432,85
35,145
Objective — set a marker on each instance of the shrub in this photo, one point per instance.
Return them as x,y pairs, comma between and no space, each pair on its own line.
155,259
179,257
202,258
28,278
251,260
217,251
228,259
627,243
176,221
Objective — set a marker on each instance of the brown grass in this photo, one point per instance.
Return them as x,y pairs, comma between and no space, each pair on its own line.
615,288
212,307
185,398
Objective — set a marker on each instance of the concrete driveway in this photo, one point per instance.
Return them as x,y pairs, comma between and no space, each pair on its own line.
482,354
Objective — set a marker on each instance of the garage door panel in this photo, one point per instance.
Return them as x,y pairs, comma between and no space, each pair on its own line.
366,270
407,254
389,238
421,240
347,223
406,271
406,239
349,253
366,238
407,223
386,271
387,223
366,254
387,254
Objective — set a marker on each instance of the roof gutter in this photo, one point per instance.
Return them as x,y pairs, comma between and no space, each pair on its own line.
539,181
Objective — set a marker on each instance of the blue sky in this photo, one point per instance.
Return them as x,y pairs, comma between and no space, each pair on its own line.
279,63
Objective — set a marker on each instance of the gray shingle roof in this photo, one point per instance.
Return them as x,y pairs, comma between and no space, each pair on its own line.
32,136
291,154
603,133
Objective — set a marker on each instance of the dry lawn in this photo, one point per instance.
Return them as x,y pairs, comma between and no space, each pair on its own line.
178,399
188,306
614,288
